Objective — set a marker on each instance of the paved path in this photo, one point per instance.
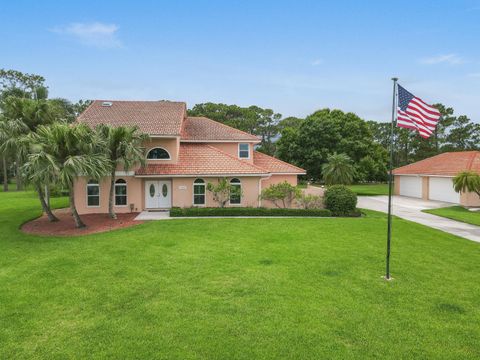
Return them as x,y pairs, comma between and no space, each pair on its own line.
411,209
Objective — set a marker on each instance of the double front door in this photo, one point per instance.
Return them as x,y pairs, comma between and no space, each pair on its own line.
158,194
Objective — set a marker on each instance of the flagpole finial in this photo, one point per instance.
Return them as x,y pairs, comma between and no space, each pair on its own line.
395,79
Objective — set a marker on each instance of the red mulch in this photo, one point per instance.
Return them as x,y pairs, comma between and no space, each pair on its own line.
66,227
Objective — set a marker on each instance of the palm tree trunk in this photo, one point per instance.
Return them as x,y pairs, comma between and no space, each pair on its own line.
45,207
111,213
18,175
78,222
5,175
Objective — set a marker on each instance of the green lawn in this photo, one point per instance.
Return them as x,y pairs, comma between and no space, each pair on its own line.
370,189
237,289
458,213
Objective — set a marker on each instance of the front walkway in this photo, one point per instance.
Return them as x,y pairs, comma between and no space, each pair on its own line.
411,209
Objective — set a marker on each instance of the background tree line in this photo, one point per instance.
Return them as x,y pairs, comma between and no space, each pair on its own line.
24,105
348,144
40,144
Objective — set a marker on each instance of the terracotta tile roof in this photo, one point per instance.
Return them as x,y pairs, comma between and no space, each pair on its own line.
447,164
273,165
204,129
152,117
202,159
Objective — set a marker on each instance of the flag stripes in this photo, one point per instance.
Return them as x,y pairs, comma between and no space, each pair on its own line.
415,114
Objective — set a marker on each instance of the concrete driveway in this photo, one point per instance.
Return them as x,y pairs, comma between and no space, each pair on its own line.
411,209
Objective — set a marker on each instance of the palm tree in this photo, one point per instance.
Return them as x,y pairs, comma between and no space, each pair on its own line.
124,149
467,181
338,170
11,131
41,170
72,150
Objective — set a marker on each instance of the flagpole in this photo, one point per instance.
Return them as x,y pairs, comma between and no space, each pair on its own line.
390,180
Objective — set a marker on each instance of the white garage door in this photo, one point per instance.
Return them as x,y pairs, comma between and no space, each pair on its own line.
441,189
411,186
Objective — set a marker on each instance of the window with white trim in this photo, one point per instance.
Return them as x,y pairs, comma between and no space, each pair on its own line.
244,151
235,192
93,193
120,192
199,192
158,154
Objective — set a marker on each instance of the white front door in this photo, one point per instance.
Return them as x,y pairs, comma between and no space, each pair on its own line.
158,194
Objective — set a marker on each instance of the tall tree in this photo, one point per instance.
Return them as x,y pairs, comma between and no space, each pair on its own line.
11,132
323,133
124,148
73,150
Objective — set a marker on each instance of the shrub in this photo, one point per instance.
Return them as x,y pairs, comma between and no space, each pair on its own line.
247,211
281,194
310,201
222,191
340,200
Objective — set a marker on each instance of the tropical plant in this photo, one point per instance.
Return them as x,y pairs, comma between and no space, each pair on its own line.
467,181
11,131
72,151
338,170
281,194
41,170
222,191
123,149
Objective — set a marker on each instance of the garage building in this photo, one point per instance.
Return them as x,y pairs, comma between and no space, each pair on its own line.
431,179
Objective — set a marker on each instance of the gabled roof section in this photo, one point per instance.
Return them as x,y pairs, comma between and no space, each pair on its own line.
202,160
161,118
204,129
274,165
446,164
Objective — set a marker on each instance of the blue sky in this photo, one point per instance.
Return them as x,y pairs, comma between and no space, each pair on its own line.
291,56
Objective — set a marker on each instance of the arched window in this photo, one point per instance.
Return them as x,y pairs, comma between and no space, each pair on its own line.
93,193
158,154
235,191
120,192
199,192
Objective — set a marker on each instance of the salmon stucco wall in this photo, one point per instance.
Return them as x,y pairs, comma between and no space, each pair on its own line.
276,179
134,195
469,199
425,187
232,149
396,185
182,190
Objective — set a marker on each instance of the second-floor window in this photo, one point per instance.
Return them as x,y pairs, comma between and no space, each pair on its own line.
158,154
244,151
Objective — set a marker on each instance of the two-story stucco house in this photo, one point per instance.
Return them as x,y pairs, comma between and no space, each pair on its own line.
184,154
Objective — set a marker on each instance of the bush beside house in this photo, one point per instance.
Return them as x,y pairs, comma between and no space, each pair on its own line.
340,200
246,211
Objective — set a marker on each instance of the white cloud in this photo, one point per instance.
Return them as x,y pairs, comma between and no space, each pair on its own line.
317,62
95,34
451,59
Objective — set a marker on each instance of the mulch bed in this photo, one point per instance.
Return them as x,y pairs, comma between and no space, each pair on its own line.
96,223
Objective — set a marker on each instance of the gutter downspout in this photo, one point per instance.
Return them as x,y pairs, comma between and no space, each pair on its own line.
260,188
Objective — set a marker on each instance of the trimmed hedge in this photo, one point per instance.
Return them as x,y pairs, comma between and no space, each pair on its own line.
340,200
247,211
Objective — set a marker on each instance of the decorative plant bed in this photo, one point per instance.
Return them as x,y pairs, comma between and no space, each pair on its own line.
96,223
245,211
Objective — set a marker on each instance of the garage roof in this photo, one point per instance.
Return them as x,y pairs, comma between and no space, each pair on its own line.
446,164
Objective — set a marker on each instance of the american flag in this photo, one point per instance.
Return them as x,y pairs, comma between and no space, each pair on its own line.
413,113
